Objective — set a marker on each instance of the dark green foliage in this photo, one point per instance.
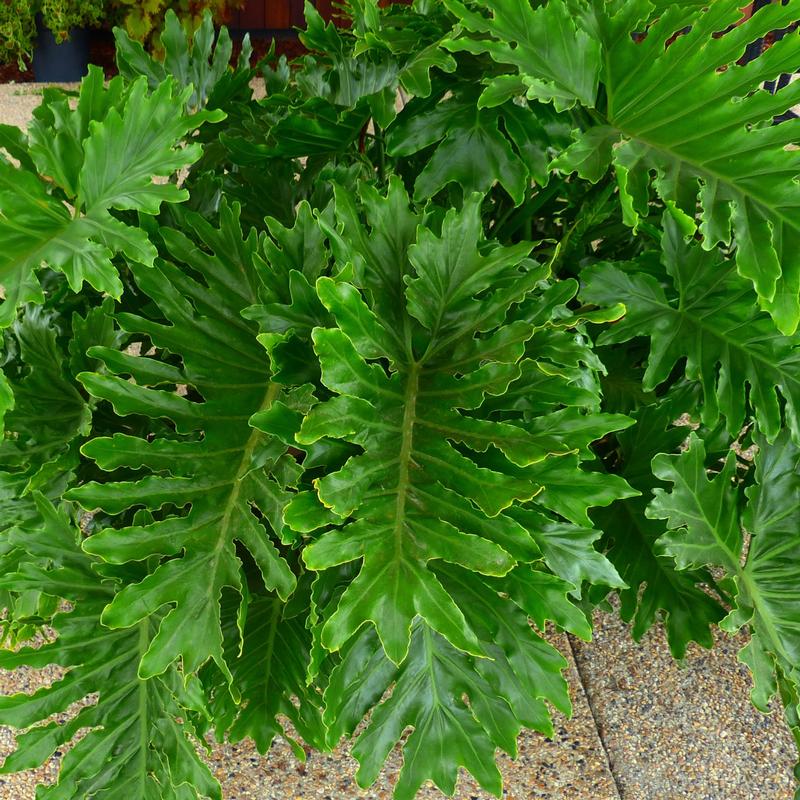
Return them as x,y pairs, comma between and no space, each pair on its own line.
389,375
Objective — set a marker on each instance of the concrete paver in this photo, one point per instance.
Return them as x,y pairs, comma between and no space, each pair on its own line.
683,730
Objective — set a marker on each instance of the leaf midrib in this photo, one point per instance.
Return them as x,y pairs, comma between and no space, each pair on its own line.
758,601
703,171
742,574
405,454
716,334
144,727
241,471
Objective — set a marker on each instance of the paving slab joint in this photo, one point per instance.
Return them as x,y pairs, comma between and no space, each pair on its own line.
597,727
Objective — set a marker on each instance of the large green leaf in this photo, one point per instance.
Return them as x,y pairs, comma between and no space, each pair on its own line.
437,478
558,61
27,608
412,35
204,66
350,78
656,587
269,668
101,156
711,146
505,692
47,410
701,310
742,172
232,477
46,419
140,738
510,138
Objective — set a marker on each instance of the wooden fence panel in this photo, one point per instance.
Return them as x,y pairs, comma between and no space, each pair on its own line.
251,16
281,15
275,15
325,8
297,13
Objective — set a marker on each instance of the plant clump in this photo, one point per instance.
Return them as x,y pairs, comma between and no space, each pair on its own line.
321,409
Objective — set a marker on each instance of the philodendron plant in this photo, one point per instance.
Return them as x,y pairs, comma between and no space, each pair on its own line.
322,410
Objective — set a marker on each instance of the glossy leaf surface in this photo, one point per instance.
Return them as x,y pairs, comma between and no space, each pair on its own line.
215,463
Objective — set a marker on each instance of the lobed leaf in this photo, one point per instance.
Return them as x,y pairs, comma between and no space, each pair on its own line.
140,738
701,310
421,491
461,708
232,476
701,513
103,156
740,170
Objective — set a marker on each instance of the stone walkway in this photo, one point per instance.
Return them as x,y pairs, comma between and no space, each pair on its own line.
644,727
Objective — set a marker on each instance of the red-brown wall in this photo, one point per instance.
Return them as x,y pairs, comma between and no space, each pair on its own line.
279,15
276,15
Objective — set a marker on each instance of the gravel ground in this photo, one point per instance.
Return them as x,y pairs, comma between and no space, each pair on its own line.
668,731
17,101
683,730
571,766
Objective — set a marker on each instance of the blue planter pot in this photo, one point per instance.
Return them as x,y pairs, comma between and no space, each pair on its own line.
67,62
